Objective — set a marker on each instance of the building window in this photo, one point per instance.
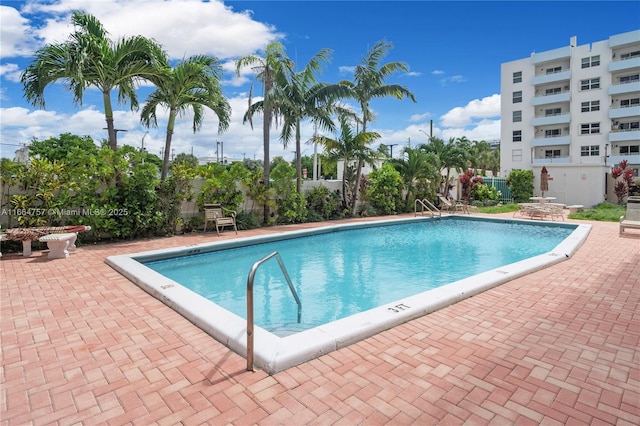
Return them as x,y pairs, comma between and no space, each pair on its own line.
590,83
589,128
589,150
517,135
629,79
627,103
553,91
552,111
592,61
516,155
633,125
551,153
630,55
552,133
517,97
517,77
554,70
517,116
630,150
590,106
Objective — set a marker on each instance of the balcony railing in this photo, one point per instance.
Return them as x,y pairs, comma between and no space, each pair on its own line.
552,160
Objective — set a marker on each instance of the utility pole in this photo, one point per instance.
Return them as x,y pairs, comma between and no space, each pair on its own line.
394,144
115,133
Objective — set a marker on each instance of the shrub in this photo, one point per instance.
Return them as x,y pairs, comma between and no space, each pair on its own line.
292,206
220,186
487,195
385,189
323,203
521,184
248,220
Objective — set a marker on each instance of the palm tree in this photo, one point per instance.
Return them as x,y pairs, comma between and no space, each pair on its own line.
418,166
90,59
191,85
369,83
301,97
271,69
450,156
350,146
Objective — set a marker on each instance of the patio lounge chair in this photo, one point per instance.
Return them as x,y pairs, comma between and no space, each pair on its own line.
452,205
220,216
632,217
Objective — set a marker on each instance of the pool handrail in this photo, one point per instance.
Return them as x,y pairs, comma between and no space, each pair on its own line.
428,205
250,322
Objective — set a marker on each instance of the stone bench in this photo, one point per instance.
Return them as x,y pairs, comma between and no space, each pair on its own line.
574,209
60,244
27,235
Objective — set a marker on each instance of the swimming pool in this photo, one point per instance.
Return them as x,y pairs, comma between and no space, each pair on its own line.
388,308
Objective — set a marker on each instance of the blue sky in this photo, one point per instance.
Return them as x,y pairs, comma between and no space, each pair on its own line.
453,49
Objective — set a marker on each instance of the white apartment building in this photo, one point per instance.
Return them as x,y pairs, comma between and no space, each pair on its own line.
576,111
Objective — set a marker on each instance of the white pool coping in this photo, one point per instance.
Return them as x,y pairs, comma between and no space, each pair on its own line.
272,353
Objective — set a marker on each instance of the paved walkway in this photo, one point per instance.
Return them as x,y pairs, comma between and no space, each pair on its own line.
81,344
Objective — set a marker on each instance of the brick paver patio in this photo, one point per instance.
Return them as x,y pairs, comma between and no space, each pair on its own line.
81,344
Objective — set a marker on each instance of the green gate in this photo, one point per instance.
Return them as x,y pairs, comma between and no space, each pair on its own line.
501,185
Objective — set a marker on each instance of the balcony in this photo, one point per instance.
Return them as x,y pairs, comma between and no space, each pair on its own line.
551,119
625,64
551,99
552,160
624,112
551,78
551,141
633,159
551,55
618,40
620,89
624,135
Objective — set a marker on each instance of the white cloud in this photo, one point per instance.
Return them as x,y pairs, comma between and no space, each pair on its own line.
453,79
413,74
485,130
182,27
420,117
15,34
478,108
346,69
10,72
437,72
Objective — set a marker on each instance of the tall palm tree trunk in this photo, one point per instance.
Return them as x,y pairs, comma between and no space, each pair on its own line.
167,144
354,196
108,112
266,170
298,160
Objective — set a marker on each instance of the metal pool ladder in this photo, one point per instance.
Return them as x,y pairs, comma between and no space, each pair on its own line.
426,206
250,278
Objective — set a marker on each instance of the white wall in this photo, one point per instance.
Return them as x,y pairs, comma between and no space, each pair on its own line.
571,185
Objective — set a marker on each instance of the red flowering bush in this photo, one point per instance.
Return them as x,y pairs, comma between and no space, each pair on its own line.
468,181
623,186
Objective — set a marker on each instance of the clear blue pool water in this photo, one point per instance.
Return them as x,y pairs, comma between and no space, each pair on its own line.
338,274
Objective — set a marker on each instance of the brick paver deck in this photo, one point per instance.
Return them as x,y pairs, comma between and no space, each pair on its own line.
81,344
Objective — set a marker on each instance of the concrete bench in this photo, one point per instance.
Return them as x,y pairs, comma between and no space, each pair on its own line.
632,218
27,235
627,223
60,244
574,209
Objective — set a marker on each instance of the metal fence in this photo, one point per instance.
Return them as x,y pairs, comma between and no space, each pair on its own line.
501,185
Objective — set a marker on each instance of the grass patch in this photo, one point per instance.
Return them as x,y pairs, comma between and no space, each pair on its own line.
604,212
504,208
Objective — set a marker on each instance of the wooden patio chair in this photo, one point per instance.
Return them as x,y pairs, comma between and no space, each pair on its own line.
220,216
